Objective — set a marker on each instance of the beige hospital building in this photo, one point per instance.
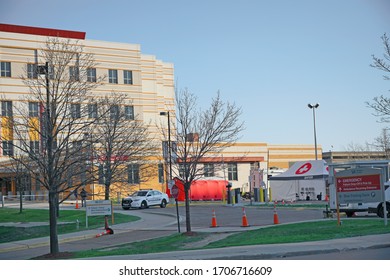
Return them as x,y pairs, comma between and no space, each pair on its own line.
147,81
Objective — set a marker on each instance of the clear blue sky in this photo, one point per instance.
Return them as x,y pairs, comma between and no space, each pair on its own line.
271,57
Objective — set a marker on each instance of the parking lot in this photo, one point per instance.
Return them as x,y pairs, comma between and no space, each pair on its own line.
231,215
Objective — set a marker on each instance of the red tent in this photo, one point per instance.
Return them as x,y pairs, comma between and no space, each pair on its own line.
202,189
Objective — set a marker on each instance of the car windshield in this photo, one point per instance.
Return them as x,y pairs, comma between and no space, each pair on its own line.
140,193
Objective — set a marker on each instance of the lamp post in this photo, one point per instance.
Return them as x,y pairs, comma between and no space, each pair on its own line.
313,107
169,143
170,162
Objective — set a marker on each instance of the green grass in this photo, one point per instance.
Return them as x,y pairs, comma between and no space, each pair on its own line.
66,222
307,231
164,244
289,233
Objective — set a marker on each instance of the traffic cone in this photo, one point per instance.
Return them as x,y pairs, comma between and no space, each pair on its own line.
77,204
214,220
244,219
276,218
107,231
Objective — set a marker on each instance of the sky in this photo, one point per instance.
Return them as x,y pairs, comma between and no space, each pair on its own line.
271,58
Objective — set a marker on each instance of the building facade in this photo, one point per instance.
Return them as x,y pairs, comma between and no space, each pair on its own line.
145,80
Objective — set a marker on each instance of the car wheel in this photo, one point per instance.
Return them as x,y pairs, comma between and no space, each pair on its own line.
144,205
163,203
126,208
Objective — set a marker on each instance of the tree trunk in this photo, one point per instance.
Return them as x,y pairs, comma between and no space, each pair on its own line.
21,201
187,196
107,192
53,202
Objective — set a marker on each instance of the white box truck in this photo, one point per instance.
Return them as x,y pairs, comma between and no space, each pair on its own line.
350,209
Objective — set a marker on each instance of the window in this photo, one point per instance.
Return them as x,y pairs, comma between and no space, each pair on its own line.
34,147
129,112
114,112
127,77
91,75
74,73
33,109
6,108
77,145
208,170
8,148
51,72
5,69
133,173
75,110
161,173
255,165
101,175
32,71
182,171
232,172
37,183
113,76
92,111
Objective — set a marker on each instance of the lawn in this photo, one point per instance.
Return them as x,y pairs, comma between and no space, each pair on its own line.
67,222
289,233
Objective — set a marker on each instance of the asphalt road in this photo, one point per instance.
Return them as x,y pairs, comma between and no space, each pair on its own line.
231,216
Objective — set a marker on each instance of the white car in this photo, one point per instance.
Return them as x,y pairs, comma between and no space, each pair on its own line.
144,199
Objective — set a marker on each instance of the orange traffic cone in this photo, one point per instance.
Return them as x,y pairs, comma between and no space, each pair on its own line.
244,219
214,220
107,231
77,204
276,218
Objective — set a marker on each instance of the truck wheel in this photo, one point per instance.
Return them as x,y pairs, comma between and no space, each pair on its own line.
349,214
381,210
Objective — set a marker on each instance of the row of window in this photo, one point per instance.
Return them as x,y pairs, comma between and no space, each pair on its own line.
133,169
209,171
133,172
33,71
75,110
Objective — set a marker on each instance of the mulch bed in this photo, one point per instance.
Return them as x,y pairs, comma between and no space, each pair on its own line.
57,256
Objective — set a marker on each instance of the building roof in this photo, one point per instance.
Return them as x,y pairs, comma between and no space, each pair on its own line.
42,31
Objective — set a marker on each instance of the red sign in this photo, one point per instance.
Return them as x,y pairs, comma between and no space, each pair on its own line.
175,191
359,183
304,168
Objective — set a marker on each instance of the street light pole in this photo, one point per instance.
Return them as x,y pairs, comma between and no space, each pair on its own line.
313,107
170,162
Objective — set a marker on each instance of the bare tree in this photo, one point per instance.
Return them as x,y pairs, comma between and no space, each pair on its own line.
123,144
52,123
21,175
381,104
382,143
201,132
